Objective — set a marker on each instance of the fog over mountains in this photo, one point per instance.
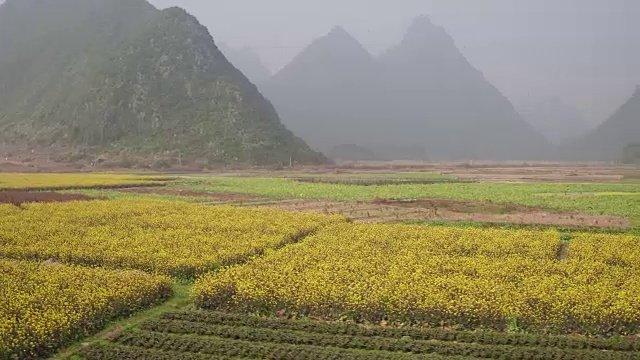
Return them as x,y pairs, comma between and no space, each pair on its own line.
321,93
583,52
608,140
420,93
123,76
556,120
247,61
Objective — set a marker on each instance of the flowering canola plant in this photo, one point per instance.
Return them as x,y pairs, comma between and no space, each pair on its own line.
7,209
617,250
173,238
438,276
42,181
43,307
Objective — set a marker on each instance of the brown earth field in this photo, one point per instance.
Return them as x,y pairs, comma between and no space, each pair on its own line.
443,210
487,171
17,197
427,210
545,172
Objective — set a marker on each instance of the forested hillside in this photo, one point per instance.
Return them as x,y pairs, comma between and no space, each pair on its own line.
120,75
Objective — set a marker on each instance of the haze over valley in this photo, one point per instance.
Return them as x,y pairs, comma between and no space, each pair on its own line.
236,83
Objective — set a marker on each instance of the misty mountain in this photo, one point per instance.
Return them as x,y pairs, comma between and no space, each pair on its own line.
247,61
422,93
609,140
120,75
443,100
324,94
557,121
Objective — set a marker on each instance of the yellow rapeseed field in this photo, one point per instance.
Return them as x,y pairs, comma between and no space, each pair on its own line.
173,238
43,307
439,276
7,209
621,250
42,181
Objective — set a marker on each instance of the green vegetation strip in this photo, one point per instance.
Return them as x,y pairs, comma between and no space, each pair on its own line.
111,352
113,194
378,182
446,348
370,175
598,199
252,349
179,301
416,333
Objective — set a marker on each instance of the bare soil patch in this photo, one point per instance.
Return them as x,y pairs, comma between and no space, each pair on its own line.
111,334
445,210
488,171
17,197
461,206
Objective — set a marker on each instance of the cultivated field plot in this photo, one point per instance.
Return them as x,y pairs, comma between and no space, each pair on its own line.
45,306
282,248
211,335
76,181
378,179
442,276
172,238
19,197
615,200
446,211
614,250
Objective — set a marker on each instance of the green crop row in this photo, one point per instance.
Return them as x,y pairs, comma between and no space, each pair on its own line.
417,333
110,352
252,349
407,345
379,182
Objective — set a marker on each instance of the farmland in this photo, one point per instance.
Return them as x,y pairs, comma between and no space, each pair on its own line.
466,277
75,181
172,238
362,265
600,199
212,335
44,307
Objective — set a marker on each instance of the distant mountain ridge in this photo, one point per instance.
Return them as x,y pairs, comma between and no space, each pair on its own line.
609,140
247,61
120,75
327,92
556,120
421,93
